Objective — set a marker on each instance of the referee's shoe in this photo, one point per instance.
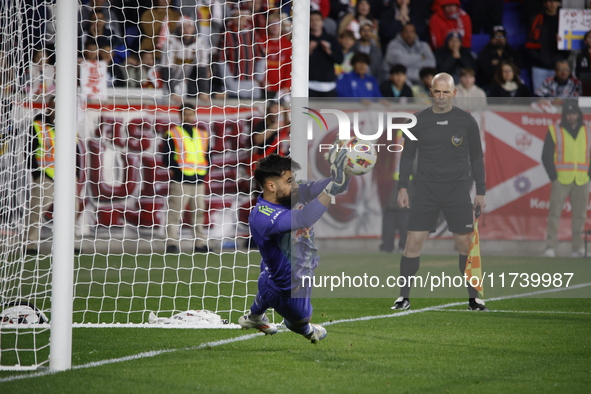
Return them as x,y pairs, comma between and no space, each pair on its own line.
401,303
476,304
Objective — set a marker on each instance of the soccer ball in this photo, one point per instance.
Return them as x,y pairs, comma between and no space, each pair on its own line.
361,156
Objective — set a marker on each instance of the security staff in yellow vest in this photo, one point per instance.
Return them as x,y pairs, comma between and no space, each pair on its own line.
566,157
41,161
41,164
186,153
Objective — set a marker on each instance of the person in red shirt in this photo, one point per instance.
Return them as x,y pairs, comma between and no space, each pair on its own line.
447,17
278,50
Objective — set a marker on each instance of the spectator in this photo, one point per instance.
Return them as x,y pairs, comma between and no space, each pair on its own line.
469,96
352,21
324,7
112,15
506,82
422,91
452,58
566,157
98,30
485,15
406,49
396,86
106,55
493,53
41,74
347,41
128,74
340,8
185,152
271,134
93,73
242,58
562,84
421,12
278,79
583,65
325,51
150,76
395,17
186,59
542,43
156,25
367,45
358,83
449,17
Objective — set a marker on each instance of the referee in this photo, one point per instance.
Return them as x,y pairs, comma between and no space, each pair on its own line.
449,155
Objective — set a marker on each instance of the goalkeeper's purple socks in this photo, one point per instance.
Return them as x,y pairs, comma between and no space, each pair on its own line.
472,292
408,267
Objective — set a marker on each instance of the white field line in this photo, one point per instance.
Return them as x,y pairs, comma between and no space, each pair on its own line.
251,336
534,312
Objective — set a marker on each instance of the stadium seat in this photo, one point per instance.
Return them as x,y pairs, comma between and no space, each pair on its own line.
479,41
514,24
526,78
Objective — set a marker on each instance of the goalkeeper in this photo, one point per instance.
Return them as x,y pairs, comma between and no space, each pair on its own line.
281,225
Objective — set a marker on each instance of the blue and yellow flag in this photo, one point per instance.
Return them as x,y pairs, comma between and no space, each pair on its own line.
573,39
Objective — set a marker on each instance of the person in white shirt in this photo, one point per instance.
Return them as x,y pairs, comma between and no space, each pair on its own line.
469,96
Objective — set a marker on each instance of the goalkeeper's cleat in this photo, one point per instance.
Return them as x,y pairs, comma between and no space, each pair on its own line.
401,304
318,333
263,325
476,304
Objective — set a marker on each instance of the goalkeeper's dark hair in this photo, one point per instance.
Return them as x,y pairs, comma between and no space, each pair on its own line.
273,166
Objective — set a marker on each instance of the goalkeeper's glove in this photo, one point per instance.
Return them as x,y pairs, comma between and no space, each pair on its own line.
337,160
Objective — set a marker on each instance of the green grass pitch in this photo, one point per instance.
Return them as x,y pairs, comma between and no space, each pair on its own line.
522,345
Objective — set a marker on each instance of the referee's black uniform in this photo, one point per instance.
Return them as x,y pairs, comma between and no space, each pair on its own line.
449,156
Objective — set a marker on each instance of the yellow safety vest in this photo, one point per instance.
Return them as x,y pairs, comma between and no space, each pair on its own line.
571,156
190,151
45,152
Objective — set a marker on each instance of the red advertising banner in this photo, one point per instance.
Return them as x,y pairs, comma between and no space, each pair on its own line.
518,188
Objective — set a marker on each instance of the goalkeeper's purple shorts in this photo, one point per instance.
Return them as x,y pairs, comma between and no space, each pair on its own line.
294,310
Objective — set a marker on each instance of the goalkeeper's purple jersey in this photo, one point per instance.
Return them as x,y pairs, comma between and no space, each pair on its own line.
285,237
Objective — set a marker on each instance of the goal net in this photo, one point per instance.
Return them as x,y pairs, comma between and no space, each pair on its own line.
175,102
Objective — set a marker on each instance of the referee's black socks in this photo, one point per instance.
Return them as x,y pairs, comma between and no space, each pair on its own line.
408,267
472,292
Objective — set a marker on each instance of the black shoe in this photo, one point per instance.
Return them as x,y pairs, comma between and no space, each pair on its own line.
172,249
476,304
32,252
201,249
401,304
77,251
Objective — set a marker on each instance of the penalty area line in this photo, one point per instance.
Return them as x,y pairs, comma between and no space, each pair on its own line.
533,312
155,353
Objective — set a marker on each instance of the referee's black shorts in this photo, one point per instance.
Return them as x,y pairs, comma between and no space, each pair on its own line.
429,198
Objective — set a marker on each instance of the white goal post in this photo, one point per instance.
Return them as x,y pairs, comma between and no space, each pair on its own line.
87,240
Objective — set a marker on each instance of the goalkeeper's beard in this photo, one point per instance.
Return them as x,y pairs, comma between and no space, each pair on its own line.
289,200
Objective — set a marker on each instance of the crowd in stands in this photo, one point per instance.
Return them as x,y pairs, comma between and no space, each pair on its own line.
378,48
